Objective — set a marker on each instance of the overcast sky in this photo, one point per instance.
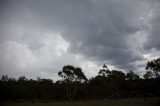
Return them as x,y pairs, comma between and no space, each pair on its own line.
39,37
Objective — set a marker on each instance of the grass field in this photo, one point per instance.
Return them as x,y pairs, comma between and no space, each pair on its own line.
120,102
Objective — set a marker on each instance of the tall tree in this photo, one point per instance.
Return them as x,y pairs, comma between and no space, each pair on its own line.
71,74
131,76
148,75
154,66
105,72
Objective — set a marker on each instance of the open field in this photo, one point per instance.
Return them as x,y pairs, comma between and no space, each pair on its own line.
120,102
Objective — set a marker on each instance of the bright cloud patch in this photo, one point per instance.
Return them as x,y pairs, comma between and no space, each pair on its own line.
45,61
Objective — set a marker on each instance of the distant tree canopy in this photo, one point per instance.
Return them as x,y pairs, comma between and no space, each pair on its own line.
131,76
71,73
154,67
117,75
114,74
148,75
105,72
75,85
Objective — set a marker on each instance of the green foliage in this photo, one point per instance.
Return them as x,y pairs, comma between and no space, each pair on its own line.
105,72
75,86
132,76
117,75
154,66
71,73
148,75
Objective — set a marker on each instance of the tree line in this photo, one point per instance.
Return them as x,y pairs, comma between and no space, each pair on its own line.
74,85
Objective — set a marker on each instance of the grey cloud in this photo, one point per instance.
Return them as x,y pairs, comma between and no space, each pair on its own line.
99,30
154,31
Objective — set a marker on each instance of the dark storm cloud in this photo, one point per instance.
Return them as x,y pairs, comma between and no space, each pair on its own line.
112,31
154,33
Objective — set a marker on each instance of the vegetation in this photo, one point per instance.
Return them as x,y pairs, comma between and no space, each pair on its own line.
120,102
108,84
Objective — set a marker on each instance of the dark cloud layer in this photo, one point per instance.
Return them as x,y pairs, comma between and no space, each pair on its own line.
118,32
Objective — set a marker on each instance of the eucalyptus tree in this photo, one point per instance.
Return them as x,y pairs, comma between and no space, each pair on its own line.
105,72
71,75
154,66
131,76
